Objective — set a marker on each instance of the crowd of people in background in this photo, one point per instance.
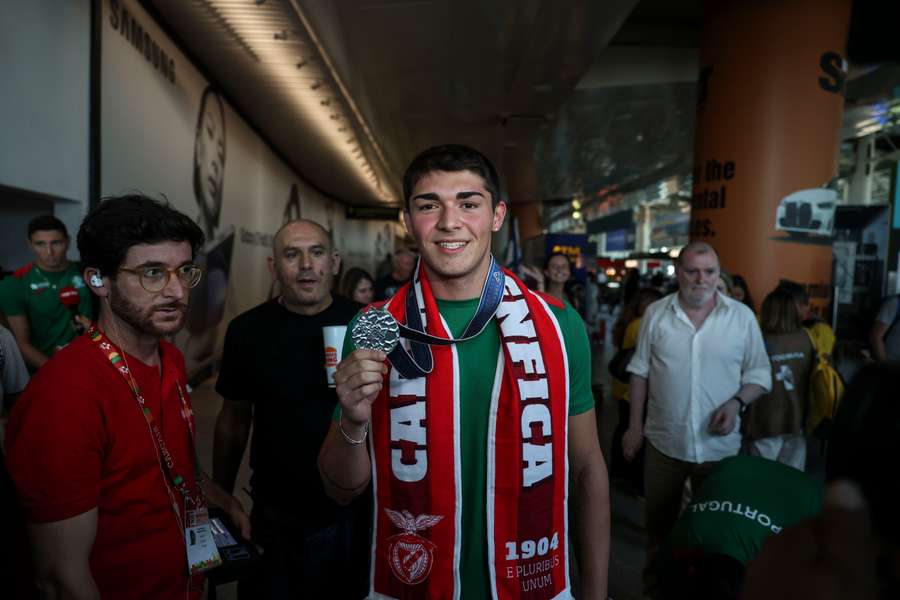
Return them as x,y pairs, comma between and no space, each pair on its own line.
758,455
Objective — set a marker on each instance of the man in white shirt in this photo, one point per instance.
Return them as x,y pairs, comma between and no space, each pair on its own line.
701,357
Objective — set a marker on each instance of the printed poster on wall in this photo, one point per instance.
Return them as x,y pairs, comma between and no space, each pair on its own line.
166,132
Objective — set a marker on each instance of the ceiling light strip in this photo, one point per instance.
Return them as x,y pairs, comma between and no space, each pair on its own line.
327,60
217,16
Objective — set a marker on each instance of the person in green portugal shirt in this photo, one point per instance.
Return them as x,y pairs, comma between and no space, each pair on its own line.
46,301
744,500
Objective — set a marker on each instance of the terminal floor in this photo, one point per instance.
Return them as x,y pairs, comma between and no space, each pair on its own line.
627,550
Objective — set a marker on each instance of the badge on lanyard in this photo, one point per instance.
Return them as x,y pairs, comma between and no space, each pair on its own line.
202,554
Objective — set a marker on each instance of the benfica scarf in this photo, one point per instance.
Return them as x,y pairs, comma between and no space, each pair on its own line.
416,468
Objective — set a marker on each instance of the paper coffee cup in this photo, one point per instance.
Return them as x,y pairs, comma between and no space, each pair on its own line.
334,345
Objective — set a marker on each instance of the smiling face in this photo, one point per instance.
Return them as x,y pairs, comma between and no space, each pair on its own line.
305,264
698,276
147,313
452,219
558,269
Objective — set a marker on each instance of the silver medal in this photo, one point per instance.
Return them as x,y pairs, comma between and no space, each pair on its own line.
376,329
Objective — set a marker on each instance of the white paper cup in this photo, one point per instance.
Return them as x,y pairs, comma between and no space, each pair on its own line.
334,345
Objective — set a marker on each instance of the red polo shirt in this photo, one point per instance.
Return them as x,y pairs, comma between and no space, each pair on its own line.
77,440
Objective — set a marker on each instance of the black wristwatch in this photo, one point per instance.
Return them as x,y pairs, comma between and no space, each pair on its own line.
743,404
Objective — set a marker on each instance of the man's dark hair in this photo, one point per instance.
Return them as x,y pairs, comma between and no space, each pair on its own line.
451,157
46,223
120,222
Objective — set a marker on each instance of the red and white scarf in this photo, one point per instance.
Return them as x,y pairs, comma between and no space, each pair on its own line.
416,468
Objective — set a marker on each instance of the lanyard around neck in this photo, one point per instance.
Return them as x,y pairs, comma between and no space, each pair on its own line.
166,460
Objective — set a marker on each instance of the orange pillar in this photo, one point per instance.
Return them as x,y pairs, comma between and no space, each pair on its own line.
769,111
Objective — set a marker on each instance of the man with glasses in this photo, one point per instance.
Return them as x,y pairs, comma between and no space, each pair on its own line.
46,301
101,445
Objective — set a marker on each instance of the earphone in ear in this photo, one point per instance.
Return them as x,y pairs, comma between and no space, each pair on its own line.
95,280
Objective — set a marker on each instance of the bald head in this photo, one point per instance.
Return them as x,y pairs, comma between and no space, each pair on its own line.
696,248
305,225
304,263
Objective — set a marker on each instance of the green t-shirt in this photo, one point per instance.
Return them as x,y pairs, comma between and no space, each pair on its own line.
743,501
35,294
478,360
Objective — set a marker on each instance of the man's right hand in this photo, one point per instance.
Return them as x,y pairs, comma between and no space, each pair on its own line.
632,442
358,380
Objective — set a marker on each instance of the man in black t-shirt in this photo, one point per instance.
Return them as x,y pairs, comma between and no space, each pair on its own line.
273,377
404,263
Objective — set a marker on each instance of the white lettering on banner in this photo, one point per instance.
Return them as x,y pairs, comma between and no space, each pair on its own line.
409,434
747,512
538,461
540,568
517,310
406,387
529,354
530,389
415,471
535,413
406,423
536,583
528,548
521,341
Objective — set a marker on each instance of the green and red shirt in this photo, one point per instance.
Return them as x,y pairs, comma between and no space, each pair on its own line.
478,363
34,293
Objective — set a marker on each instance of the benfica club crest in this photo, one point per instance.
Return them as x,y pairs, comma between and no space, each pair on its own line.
411,555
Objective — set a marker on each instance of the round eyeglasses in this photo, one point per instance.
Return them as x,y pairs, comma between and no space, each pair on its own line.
155,279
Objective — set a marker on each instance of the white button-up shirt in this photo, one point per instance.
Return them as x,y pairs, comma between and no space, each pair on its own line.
691,372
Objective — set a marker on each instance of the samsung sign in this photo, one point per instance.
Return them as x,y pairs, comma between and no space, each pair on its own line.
132,30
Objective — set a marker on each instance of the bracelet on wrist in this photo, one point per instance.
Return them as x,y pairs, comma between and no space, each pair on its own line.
347,437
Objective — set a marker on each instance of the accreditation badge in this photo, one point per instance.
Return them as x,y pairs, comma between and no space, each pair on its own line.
202,554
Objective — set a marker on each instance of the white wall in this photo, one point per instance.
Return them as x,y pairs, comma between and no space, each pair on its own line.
44,106
149,121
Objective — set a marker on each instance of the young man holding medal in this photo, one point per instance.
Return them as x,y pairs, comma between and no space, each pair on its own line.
474,429
101,444
46,301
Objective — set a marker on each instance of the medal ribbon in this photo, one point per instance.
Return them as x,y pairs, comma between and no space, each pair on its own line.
419,362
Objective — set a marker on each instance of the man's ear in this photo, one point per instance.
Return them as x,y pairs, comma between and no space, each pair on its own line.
271,262
96,282
407,222
336,263
499,216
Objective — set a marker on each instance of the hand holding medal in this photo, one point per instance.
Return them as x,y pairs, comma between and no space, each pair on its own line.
376,329
359,376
